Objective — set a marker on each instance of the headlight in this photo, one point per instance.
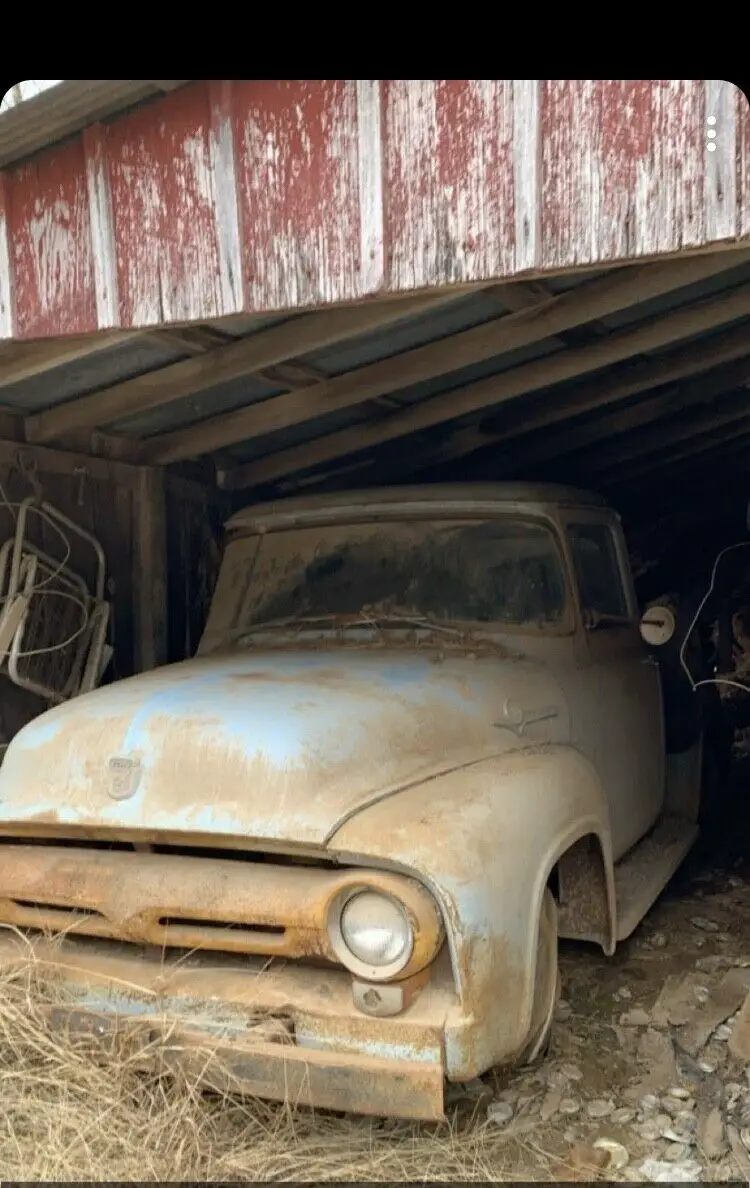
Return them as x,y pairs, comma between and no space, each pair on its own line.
372,935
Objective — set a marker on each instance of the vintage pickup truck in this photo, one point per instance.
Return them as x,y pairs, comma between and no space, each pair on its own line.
423,738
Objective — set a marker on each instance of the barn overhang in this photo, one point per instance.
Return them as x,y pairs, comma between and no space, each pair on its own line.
221,198
277,286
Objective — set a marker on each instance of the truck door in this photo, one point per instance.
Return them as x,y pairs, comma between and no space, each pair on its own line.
617,720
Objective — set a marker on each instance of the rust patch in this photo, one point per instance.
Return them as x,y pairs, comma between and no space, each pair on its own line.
175,901
322,676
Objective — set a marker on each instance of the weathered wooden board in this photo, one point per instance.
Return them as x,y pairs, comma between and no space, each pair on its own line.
260,195
49,246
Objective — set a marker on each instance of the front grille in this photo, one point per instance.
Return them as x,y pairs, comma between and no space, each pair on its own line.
167,900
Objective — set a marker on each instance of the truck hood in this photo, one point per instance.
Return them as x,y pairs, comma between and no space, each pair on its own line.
274,746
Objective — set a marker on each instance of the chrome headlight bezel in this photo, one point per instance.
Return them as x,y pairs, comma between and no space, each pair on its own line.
362,969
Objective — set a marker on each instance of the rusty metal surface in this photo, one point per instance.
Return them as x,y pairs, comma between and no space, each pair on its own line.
176,901
230,197
264,744
488,866
277,1032
362,754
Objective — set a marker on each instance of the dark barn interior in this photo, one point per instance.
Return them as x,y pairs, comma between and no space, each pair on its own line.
631,382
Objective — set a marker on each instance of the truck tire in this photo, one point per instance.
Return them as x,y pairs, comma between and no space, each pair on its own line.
546,982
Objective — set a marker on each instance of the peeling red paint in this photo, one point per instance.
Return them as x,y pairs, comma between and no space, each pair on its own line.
449,180
623,168
260,195
50,245
298,185
163,205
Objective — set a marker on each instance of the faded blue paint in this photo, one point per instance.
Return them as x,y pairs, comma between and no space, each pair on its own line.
223,1020
486,865
307,1037
267,744
46,728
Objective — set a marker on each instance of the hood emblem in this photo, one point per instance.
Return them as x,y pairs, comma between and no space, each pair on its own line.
124,777
516,718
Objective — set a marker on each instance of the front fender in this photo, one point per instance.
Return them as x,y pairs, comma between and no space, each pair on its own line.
484,839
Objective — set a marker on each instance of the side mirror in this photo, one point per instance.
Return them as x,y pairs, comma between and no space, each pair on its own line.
657,626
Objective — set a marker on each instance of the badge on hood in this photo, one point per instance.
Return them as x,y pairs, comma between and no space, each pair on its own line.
124,776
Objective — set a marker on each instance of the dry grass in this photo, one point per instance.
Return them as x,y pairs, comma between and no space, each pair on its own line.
65,1117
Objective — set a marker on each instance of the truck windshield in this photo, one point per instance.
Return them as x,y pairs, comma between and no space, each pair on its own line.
492,571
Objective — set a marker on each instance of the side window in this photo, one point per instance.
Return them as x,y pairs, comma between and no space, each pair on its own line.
597,569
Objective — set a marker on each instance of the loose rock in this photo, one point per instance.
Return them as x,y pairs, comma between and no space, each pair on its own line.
550,1105
676,1152
649,1130
599,1108
676,1136
712,1137
635,1018
705,925
569,1105
500,1112
685,1119
622,1116
571,1071
659,1171
618,1157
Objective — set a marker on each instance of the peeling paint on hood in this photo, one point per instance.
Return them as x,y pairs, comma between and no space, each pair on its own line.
269,745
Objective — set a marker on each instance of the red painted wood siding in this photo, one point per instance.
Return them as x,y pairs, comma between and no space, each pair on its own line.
227,197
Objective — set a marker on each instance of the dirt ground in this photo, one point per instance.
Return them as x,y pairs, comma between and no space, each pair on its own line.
641,1059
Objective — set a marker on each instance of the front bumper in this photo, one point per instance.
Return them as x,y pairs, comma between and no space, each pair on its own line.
287,1033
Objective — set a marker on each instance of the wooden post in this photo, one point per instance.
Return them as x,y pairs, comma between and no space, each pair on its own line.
150,569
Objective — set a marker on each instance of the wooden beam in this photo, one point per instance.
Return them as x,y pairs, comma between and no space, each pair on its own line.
650,463
150,570
234,360
292,375
543,411
636,446
193,340
55,461
652,408
530,377
608,294
24,360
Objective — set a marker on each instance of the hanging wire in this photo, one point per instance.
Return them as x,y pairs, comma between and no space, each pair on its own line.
743,544
40,587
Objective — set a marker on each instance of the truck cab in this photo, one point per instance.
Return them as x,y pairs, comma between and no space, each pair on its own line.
422,739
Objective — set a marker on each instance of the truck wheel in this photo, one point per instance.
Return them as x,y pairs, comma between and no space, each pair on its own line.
546,982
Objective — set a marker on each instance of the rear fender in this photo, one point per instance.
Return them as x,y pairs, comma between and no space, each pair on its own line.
485,840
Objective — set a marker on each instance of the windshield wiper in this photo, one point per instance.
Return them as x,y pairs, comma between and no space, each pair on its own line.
364,618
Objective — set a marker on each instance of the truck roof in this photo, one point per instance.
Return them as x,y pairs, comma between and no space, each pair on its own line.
425,495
